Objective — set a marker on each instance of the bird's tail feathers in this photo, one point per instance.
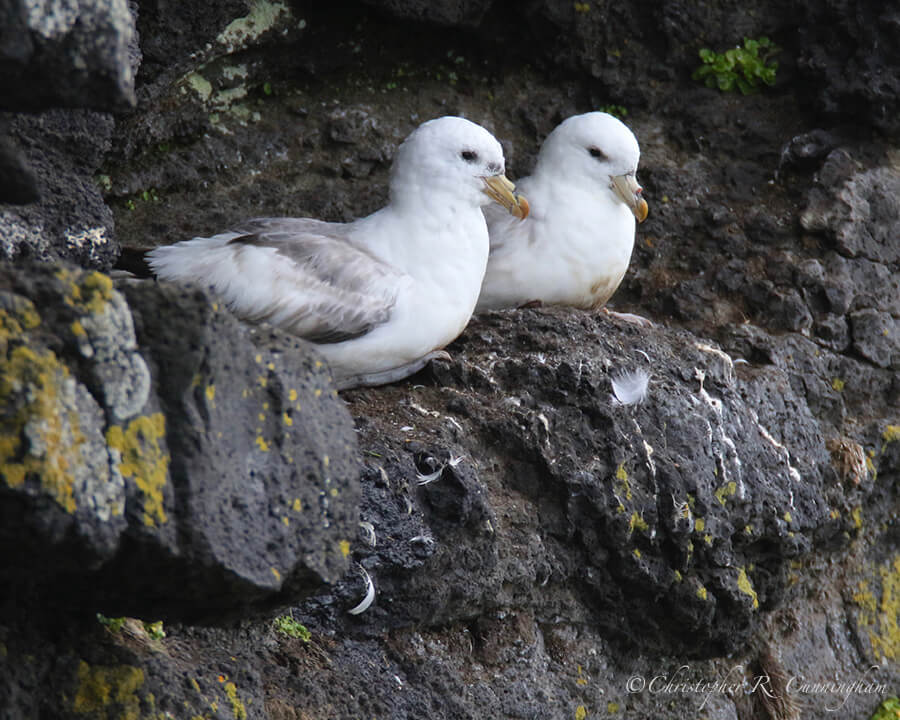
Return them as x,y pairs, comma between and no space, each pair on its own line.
191,261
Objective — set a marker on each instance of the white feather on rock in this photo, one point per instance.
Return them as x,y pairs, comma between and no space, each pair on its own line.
630,387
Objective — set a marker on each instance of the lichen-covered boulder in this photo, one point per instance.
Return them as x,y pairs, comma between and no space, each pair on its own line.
181,468
60,487
263,453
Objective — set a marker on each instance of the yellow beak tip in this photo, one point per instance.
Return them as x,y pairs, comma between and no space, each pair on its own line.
521,208
642,210
499,189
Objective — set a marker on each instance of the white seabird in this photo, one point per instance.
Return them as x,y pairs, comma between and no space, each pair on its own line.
575,245
380,295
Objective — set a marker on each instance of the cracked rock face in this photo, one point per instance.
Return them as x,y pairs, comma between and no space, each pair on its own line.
857,207
671,508
124,442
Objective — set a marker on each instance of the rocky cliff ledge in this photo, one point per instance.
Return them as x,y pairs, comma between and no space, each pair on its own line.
189,511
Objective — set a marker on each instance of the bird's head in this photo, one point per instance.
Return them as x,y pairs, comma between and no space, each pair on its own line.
453,159
596,150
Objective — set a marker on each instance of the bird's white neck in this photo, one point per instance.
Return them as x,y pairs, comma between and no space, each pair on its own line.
443,241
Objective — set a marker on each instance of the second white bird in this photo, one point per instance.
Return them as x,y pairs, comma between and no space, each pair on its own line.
576,244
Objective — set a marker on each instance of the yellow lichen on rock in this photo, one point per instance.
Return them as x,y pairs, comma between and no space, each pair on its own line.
91,294
891,434
17,316
96,291
881,616
32,388
102,689
746,587
143,460
237,706
637,523
48,432
726,491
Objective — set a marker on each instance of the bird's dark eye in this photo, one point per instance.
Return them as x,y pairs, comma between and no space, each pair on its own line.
597,153
469,155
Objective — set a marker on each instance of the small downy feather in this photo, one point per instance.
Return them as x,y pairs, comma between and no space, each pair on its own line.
369,597
630,387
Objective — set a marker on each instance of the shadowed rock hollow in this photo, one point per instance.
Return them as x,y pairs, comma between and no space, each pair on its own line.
537,549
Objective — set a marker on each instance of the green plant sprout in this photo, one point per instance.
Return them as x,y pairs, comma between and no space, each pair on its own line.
114,624
620,111
154,630
286,625
888,710
743,68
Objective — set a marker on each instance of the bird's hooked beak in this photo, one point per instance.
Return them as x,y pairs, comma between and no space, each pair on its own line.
499,189
627,188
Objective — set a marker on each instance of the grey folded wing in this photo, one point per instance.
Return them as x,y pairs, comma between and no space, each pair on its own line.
323,286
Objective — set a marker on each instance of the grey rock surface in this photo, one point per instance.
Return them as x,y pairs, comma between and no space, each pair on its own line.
613,504
223,460
263,456
69,219
67,54
18,184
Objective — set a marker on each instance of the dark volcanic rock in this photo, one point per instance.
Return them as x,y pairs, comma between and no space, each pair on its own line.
18,185
849,61
857,207
171,32
671,508
69,220
54,55
876,337
263,458
59,54
184,470
444,12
